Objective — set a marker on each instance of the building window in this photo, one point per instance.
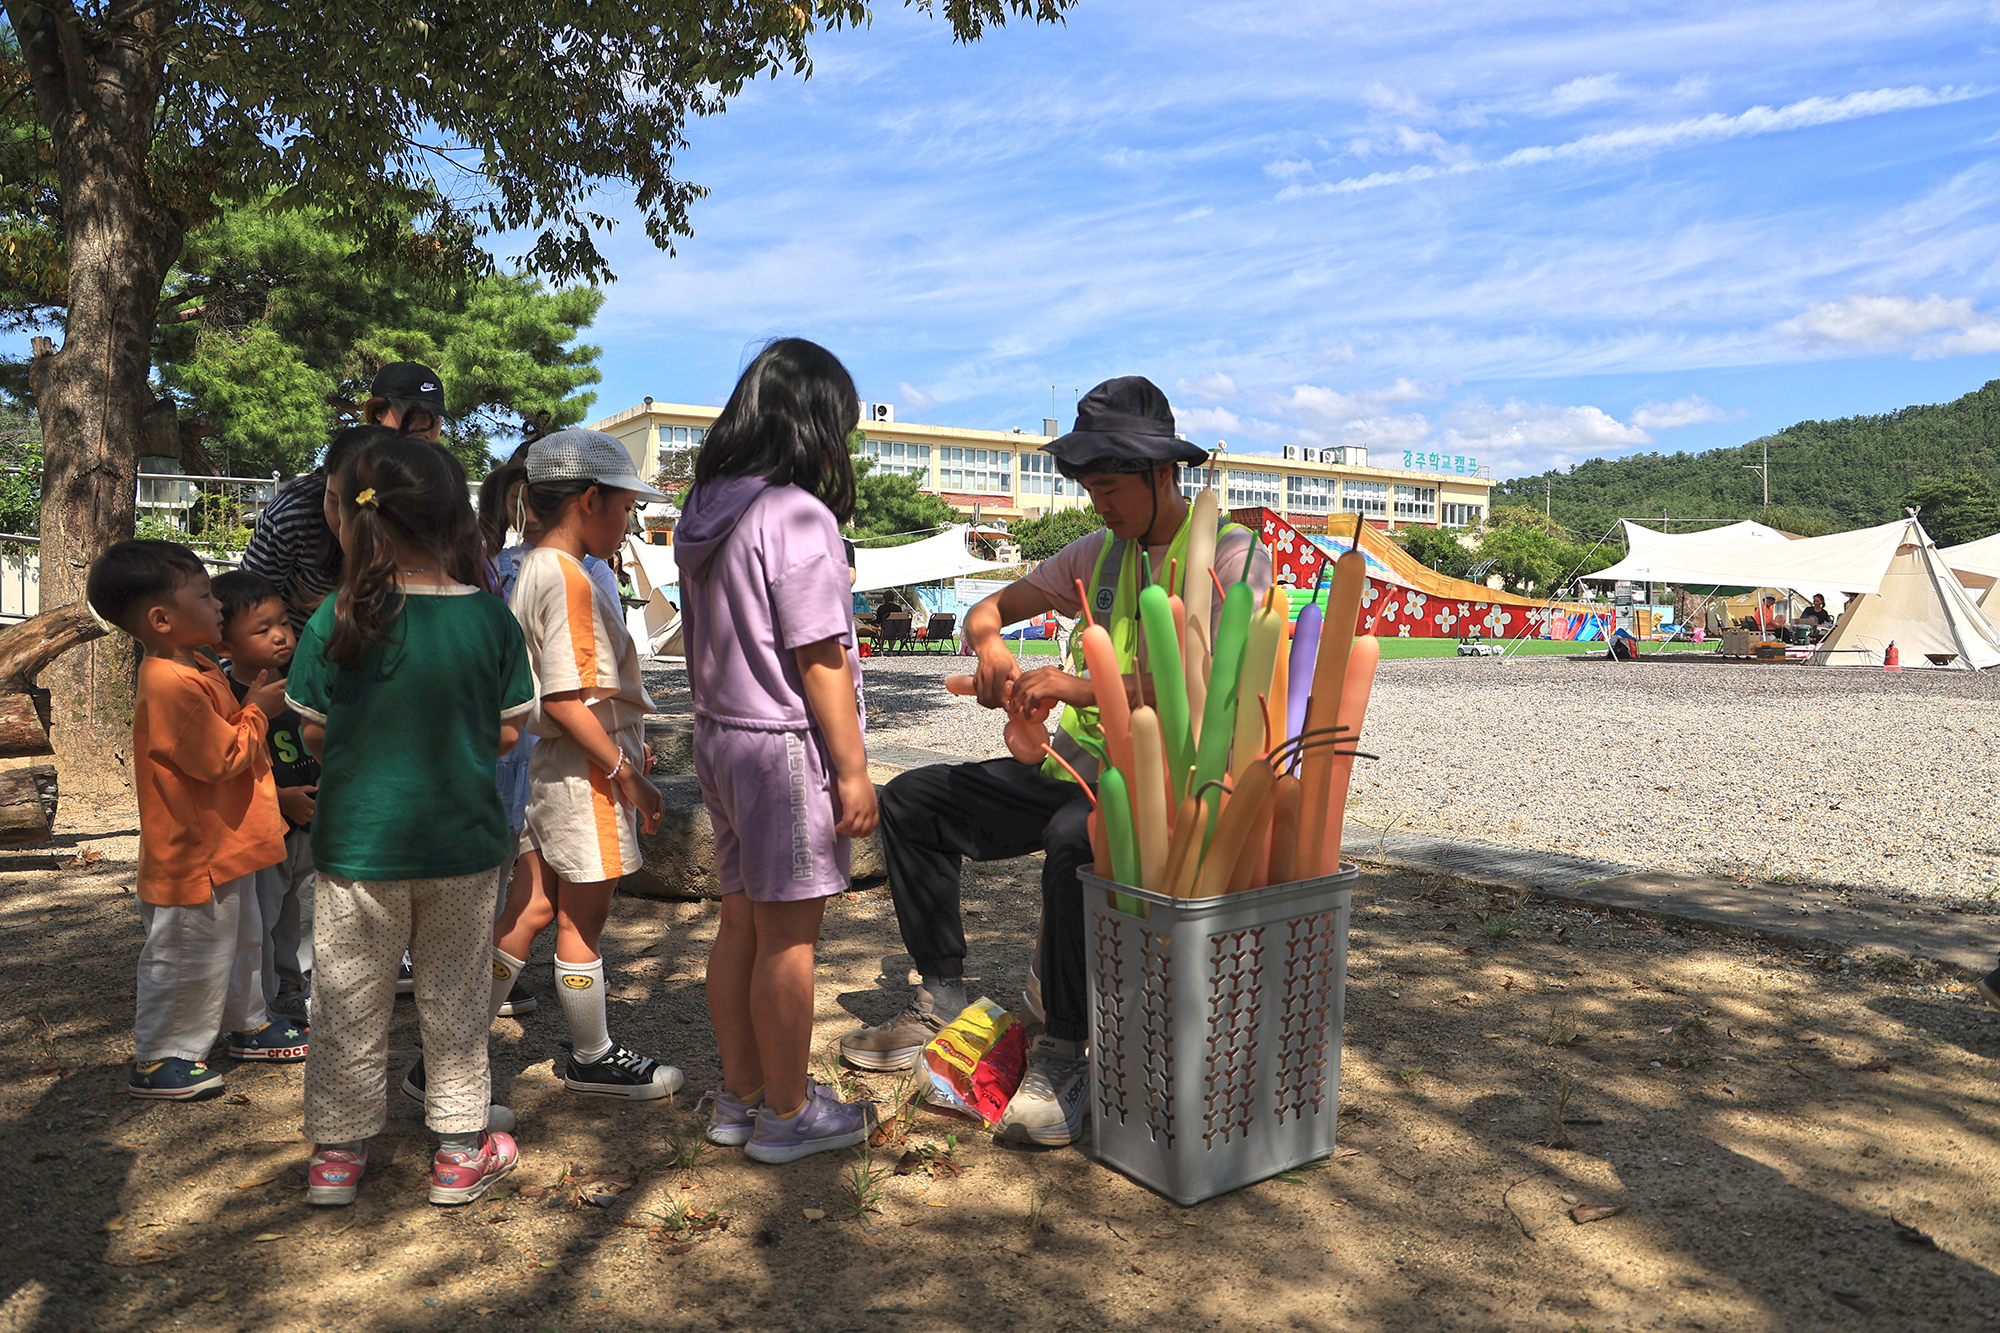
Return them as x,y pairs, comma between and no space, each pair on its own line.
1308,495
897,459
1370,499
976,471
1039,475
1417,503
1462,515
671,436
1254,489
1195,480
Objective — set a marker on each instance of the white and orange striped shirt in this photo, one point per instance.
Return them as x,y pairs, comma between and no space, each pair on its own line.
577,641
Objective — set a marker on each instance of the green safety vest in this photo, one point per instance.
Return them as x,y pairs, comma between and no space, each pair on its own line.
1114,600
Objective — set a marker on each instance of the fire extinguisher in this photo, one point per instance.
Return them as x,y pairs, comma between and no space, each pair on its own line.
1891,659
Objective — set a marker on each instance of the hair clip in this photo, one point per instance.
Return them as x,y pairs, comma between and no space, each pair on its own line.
366,497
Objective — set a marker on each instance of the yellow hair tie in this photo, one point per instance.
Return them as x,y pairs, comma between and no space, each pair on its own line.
366,497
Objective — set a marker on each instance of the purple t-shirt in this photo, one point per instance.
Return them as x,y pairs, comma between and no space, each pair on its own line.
763,574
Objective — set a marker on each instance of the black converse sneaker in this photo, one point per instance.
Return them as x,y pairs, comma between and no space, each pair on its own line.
520,1000
1988,987
622,1073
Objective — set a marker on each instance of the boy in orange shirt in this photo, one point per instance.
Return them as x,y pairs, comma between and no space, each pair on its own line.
208,821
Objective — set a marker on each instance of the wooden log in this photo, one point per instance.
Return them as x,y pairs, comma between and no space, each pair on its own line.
27,804
23,730
34,643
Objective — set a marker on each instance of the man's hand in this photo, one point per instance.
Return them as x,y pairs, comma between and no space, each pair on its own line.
997,666
1049,686
266,694
854,811
296,803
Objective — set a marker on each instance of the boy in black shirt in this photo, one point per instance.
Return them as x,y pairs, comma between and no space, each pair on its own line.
257,635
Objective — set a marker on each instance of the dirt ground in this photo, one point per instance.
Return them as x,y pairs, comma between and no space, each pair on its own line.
1760,1115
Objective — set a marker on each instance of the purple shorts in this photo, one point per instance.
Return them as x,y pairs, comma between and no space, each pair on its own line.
770,799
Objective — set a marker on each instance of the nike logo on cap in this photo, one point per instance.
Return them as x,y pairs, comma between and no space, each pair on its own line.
428,388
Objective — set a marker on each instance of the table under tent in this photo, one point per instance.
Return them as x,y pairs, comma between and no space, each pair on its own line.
1900,587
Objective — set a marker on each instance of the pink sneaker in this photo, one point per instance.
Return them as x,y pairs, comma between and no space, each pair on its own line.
462,1175
334,1174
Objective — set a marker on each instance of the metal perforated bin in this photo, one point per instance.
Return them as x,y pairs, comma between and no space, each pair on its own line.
1215,1031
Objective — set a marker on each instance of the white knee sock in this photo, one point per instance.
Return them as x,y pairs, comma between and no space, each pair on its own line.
580,987
506,971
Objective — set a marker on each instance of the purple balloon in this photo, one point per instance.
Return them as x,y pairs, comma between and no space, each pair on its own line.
1298,682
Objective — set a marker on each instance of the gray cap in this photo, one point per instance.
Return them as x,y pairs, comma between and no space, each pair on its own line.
586,455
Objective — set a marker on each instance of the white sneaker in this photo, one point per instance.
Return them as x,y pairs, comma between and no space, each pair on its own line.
1054,1098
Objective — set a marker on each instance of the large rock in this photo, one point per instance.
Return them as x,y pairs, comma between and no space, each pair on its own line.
680,856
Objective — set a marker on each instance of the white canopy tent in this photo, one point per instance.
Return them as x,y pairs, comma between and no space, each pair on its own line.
944,556
657,578
1908,594
1977,565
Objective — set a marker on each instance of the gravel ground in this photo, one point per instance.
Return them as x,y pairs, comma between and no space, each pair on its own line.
1882,783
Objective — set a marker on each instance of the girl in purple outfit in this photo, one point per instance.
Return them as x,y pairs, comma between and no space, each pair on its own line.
771,663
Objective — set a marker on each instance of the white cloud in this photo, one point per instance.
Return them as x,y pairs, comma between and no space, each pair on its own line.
1979,338
1379,96
1642,140
1206,420
1876,321
1288,168
1194,213
1882,322
1213,387
1519,432
915,397
1690,411
1585,91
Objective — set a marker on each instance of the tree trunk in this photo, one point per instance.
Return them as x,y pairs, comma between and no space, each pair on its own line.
96,84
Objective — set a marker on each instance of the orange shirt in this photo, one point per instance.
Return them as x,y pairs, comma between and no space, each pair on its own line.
208,806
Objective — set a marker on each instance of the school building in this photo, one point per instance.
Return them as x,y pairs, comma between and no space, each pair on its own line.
1004,475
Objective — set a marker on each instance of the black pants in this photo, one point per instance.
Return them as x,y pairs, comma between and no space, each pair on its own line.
933,818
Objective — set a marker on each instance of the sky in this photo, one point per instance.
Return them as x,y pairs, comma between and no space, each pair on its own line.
1530,233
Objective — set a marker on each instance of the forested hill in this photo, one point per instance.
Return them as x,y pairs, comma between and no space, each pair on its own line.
1826,476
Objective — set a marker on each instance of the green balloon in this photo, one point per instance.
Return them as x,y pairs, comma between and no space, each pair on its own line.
1170,697
1218,720
1114,805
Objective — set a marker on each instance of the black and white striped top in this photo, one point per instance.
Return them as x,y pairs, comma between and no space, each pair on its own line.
293,548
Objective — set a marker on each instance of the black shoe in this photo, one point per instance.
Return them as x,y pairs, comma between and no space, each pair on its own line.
623,1073
406,980
1988,987
413,1082
519,1001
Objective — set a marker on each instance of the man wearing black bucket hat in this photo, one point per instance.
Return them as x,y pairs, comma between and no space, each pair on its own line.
1126,457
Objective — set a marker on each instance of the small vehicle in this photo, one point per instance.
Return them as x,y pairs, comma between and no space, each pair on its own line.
1471,645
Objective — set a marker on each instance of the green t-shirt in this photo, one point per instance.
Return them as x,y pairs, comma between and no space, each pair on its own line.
406,787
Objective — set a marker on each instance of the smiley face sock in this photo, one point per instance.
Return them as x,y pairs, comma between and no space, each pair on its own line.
580,988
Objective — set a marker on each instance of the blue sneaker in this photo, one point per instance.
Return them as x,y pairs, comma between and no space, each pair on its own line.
826,1124
277,1042
174,1079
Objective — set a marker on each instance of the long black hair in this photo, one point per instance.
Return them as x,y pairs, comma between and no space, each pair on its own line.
788,421
312,486
390,490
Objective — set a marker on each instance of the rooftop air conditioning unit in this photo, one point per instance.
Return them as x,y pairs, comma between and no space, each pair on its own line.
1292,452
1332,455
881,411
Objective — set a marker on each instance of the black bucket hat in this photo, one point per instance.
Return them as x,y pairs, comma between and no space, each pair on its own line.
1123,425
